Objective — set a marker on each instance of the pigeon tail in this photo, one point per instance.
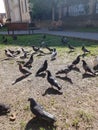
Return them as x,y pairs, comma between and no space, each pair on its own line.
49,117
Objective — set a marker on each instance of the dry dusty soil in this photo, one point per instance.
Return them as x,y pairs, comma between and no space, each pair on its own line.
75,108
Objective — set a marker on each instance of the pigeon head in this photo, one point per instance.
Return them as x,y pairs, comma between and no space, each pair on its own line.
48,72
31,56
83,62
7,109
45,61
32,45
22,49
54,49
5,50
19,64
79,55
32,101
82,46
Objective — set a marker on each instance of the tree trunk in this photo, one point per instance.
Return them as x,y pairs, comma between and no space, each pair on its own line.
53,13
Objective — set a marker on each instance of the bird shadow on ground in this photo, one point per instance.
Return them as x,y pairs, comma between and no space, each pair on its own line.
41,75
20,78
4,114
36,124
86,75
52,91
29,67
41,54
65,79
21,62
53,59
84,54
76,69
71,51
10,58
48,53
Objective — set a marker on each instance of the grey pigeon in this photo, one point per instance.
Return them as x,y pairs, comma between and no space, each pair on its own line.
87,68
54,54
85,49
39,111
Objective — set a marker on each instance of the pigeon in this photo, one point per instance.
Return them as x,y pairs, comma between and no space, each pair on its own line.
11,51
50,49
24,56
52,81
24,50
42,44
22,70
39,111
42,68
29,62
44,36
8,54
54,54
76,61
85,50
36,49
87,68
4,109
17,52
64,40
71,47
65,71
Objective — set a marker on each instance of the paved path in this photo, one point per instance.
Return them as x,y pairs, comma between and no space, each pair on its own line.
83,35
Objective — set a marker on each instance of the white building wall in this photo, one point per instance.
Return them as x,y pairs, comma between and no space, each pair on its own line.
17,10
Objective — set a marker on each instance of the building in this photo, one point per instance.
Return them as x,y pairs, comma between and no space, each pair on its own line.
78,13
80,7
17,10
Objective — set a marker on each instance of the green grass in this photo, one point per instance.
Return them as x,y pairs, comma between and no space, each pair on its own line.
3,29
85,116
53,41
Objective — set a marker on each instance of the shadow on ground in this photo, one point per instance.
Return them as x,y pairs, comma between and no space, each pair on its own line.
20,78
65,79
86,75
36,124
52,91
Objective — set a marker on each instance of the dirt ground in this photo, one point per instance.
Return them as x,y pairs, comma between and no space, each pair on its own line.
75,109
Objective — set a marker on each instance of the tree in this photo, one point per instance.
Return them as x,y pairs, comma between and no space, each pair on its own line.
41,9
46,9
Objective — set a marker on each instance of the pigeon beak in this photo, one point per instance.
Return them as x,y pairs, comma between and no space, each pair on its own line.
29,99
